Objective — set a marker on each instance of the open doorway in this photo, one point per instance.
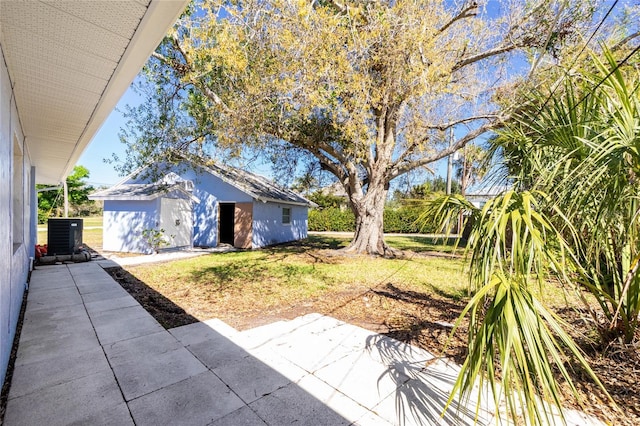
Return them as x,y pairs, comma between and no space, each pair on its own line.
226,222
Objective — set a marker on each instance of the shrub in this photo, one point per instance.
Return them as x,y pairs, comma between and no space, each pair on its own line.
401,220
331,219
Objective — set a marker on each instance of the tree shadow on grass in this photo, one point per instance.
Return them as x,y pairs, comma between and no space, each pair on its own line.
236,273
418,298
163,309
312,242
419,244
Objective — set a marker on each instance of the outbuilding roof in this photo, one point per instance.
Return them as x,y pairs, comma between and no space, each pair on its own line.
143,191
256,186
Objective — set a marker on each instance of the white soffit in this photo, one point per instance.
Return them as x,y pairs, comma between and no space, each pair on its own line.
70,62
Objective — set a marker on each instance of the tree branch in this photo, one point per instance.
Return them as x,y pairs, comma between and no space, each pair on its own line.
402,168
330,165
625,40
446,126
483,55
342,8
184,69
467,12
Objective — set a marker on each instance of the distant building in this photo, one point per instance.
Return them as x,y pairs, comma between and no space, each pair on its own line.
337,191
203,206
480,194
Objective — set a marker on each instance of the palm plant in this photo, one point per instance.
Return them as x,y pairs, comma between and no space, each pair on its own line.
573,214
584,152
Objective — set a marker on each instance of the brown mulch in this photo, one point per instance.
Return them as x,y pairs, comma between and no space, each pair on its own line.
426,321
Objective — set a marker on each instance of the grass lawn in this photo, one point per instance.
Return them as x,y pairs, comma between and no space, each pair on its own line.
420,244
415,299
279,276
246,288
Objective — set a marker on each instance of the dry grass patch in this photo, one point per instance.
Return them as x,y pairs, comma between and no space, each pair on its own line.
245,287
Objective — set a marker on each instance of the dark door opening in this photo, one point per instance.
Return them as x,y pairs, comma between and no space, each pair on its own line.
226,222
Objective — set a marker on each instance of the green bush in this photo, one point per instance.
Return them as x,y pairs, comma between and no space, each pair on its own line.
331,219
396,220
401,220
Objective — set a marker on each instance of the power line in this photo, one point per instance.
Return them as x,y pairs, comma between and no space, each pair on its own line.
633,52
575,60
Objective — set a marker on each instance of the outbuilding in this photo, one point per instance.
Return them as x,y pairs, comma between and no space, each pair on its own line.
202,206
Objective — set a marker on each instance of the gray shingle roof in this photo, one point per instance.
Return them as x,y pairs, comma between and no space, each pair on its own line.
256,186
139,191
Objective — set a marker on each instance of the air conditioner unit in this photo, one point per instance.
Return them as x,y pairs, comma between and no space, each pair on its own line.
64,237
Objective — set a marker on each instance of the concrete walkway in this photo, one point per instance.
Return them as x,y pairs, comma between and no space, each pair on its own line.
90,354
164,256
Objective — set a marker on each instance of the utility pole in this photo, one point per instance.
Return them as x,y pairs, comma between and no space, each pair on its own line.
66,198
449,163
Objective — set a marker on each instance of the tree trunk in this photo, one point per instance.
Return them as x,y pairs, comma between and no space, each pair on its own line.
369,213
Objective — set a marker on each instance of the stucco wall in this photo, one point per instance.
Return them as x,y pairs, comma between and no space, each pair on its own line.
124,222
14,258
268,228
210,190
205,213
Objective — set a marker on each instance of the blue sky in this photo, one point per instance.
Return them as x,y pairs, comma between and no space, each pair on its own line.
105,143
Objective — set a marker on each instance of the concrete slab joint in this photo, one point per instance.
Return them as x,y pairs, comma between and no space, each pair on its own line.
90,354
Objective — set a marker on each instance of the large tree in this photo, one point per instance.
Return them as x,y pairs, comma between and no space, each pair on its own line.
369,89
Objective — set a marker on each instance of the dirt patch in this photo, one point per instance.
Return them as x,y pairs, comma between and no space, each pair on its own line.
167,313
424,320
617,366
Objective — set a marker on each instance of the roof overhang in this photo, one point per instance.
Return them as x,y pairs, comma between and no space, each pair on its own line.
254,195
69,63
144,192
292,203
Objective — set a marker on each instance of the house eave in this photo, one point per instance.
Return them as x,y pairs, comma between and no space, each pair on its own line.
152,29
279,201
68,72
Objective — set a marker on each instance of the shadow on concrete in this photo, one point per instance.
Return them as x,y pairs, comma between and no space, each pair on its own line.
187,375
274,390
424,385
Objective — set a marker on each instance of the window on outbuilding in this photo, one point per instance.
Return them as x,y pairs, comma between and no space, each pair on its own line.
286,215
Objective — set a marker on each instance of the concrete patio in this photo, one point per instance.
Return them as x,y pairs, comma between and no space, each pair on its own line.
90,354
